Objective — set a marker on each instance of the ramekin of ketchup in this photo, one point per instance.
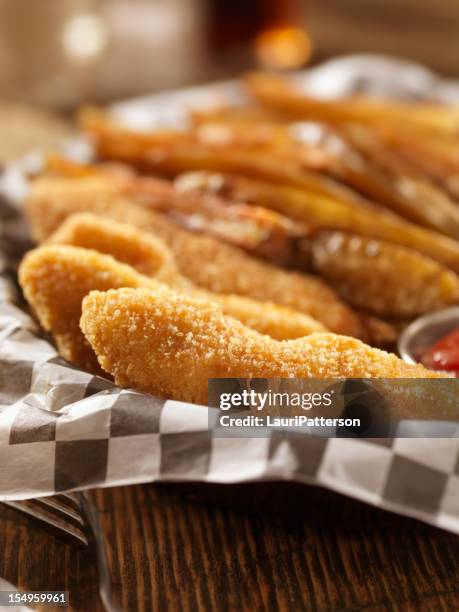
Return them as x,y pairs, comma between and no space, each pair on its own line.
443,355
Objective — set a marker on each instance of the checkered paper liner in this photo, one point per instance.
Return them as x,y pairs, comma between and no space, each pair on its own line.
63,429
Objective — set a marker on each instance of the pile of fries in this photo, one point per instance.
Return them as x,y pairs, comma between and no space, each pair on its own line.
364,193
296,215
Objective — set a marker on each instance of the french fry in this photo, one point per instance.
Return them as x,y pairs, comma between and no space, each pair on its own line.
355,161
383,278
103,126
236,115
272,152
359,161
170,157
385,177
420,198
324,213
281,95
56,165
411,198
437,158
258,230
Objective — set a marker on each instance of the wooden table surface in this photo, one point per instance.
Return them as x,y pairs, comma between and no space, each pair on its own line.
272,546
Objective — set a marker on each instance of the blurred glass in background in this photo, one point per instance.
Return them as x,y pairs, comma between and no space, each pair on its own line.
60,53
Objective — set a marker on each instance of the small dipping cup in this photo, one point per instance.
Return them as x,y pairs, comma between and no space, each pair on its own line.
424,332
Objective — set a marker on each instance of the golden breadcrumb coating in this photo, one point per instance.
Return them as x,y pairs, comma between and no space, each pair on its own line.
56,278
279,322
170,345
126,243
204,260
149,254
51,200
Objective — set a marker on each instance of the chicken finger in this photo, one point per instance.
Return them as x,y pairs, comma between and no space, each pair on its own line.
171,345
146,253
55,279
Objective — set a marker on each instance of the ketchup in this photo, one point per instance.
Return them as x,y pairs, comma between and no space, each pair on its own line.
444,355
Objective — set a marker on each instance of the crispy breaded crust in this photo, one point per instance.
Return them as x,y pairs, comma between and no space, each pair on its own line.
204,260
55,280
171,345
149,254
51,200
279,322
126,243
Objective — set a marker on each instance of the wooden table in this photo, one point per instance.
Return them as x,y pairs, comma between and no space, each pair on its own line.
273,546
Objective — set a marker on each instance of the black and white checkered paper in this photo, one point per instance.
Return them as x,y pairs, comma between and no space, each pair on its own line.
62,429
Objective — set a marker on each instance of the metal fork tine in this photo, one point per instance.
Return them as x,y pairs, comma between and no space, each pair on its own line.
53,516
73,515
63,508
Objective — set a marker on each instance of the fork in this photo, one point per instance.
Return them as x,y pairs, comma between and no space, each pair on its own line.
74,517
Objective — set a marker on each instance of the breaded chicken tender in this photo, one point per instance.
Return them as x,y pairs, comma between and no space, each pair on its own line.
149,254
56,278
170,345
204,260
279,322
126,243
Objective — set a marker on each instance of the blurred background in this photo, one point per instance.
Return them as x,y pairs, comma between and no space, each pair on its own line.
55,55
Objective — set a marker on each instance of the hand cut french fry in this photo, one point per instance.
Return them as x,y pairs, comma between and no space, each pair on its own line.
353,155
437,158
272,152
383,278
324,213
357,160
389,178
282,95
171,157
102,125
